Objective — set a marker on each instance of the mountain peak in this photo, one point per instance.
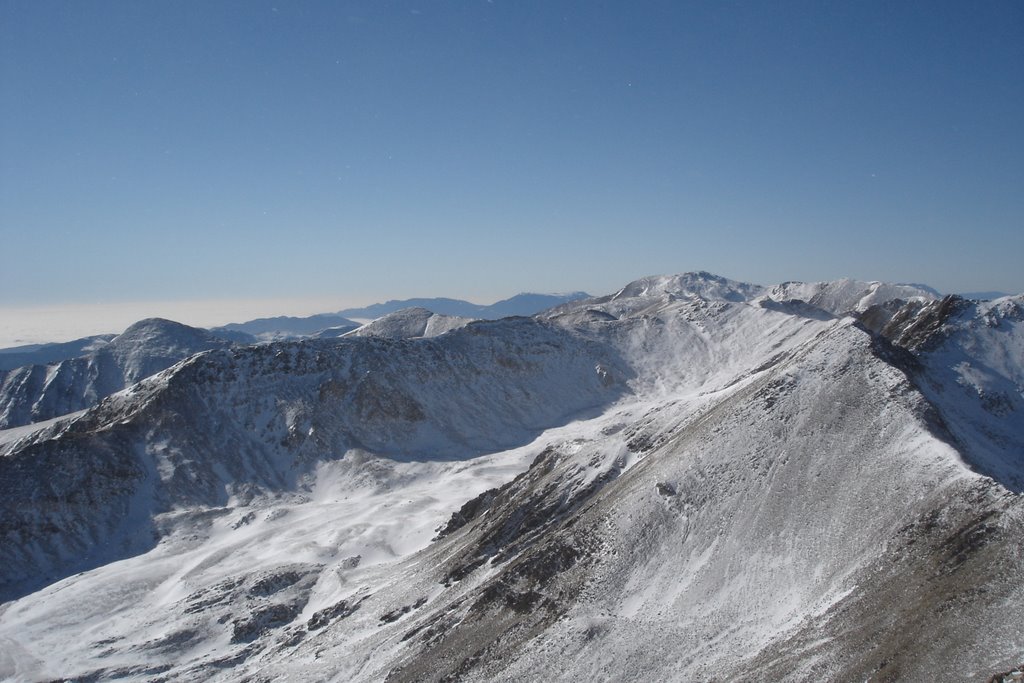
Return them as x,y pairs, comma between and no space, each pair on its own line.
157,324
700,284
156,333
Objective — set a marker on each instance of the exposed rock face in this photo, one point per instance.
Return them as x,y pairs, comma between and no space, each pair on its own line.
1013,676
916,325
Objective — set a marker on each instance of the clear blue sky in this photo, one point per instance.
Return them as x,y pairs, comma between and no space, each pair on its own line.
371,150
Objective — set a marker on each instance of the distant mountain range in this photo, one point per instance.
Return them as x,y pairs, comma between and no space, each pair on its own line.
42,381
336,324
281,328
520,304
287,327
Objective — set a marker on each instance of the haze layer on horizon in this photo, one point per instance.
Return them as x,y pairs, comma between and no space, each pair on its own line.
58,323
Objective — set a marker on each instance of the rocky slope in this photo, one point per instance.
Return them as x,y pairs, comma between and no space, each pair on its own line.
968,364
690,479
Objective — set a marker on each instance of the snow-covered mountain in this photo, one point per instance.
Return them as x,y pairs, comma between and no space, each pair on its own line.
411,323
968,364
330,326
850,296
690,479
34,393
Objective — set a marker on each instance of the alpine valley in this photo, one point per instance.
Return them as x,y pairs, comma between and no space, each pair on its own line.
691,479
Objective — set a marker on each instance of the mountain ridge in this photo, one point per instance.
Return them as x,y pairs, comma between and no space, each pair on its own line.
287,327
686,480
526,303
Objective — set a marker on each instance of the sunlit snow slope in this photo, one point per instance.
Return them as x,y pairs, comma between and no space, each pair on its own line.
690,479
411,323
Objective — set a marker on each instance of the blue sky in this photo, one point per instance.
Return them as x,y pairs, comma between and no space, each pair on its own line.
359,151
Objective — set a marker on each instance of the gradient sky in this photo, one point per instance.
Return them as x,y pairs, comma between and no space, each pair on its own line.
359,151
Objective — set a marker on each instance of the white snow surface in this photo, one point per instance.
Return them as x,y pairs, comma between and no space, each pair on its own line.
744,466
411,323
847,295
703,285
